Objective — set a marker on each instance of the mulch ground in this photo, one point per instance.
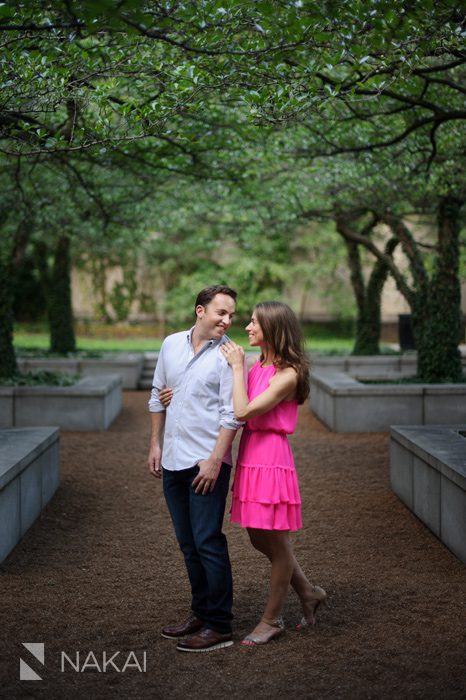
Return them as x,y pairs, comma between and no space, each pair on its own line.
100,571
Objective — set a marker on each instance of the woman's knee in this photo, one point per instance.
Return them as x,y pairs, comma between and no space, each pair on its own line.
259,541
280,547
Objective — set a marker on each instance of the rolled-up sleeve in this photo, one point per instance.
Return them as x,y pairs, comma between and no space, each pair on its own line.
227,413
158,382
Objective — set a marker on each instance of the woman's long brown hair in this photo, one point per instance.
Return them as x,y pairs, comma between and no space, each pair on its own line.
282,335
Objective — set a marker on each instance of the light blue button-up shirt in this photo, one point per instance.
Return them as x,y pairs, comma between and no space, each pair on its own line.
202,400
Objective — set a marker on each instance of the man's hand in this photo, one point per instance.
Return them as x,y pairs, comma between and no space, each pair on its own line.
155,454
209,470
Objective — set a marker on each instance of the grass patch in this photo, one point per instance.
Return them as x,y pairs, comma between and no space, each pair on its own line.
320,338
35,344
31,344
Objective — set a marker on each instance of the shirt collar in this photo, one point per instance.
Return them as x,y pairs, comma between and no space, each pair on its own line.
189,337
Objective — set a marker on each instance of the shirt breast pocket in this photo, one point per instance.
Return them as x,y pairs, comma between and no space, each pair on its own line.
206,387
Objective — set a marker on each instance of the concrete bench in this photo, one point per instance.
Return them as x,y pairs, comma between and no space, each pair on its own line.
428,473
90,404
29,476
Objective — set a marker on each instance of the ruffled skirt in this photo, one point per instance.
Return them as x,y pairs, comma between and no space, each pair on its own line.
265,489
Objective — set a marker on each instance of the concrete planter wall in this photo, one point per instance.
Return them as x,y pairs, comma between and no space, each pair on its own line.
344,404
370,366
29,476
90,404
127,364
428,473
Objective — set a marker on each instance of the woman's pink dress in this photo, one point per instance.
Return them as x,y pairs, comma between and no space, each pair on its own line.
265,489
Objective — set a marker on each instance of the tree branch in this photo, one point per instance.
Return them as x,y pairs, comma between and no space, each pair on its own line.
401,282
409,247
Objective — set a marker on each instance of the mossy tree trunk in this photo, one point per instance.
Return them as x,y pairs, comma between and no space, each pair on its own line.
12,247
62,336
56,282
368,295
437,323
435,301
8,366
370,323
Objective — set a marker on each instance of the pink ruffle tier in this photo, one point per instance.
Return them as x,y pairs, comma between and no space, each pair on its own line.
266,491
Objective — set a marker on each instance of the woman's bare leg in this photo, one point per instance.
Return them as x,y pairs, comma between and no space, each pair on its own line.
275,544
310,596
305,590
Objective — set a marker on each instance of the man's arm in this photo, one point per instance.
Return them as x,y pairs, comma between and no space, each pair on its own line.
157,418
209,468
155,447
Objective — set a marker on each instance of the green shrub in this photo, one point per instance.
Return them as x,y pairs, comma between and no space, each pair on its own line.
40,377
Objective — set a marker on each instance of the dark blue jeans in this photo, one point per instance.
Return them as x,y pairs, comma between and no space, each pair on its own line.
198,524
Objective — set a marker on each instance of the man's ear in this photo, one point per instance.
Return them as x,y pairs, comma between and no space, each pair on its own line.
200,310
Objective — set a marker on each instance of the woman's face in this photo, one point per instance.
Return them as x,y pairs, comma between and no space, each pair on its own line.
256,337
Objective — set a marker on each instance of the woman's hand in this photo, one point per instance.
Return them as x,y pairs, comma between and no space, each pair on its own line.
233,354
165,396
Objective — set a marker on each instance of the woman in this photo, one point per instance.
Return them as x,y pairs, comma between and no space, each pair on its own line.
266,496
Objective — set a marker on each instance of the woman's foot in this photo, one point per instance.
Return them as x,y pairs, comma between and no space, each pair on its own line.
310,606
264,632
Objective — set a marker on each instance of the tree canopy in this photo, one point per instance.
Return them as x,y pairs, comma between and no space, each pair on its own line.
237,122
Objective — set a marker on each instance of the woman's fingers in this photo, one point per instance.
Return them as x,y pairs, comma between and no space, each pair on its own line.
232,353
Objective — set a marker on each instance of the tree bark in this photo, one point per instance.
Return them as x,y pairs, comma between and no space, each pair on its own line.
12,247
8,365
60,311
370,323
368,297
437,319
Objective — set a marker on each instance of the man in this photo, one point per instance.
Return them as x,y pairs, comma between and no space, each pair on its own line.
198,428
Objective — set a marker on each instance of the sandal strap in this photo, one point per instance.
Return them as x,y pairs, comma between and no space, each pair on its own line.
279,622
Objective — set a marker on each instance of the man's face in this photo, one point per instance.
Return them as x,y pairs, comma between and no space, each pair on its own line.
215,319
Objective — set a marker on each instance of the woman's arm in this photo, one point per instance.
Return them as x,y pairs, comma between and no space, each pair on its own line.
281,387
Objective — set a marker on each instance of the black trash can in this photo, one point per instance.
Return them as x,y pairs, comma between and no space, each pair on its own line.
405,332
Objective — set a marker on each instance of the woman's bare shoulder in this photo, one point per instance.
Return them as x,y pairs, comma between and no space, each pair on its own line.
286,374
290,371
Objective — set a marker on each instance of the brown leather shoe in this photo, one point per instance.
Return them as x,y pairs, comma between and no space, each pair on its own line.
189,626
205,640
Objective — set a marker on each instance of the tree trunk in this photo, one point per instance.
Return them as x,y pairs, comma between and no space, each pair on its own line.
60,311
367,327
368,297
369,321
8,366
12,249
437,320
99,268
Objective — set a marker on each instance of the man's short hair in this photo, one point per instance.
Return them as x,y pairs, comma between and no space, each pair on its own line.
206,295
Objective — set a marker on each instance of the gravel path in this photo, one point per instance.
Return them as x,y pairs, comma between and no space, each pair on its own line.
100,572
